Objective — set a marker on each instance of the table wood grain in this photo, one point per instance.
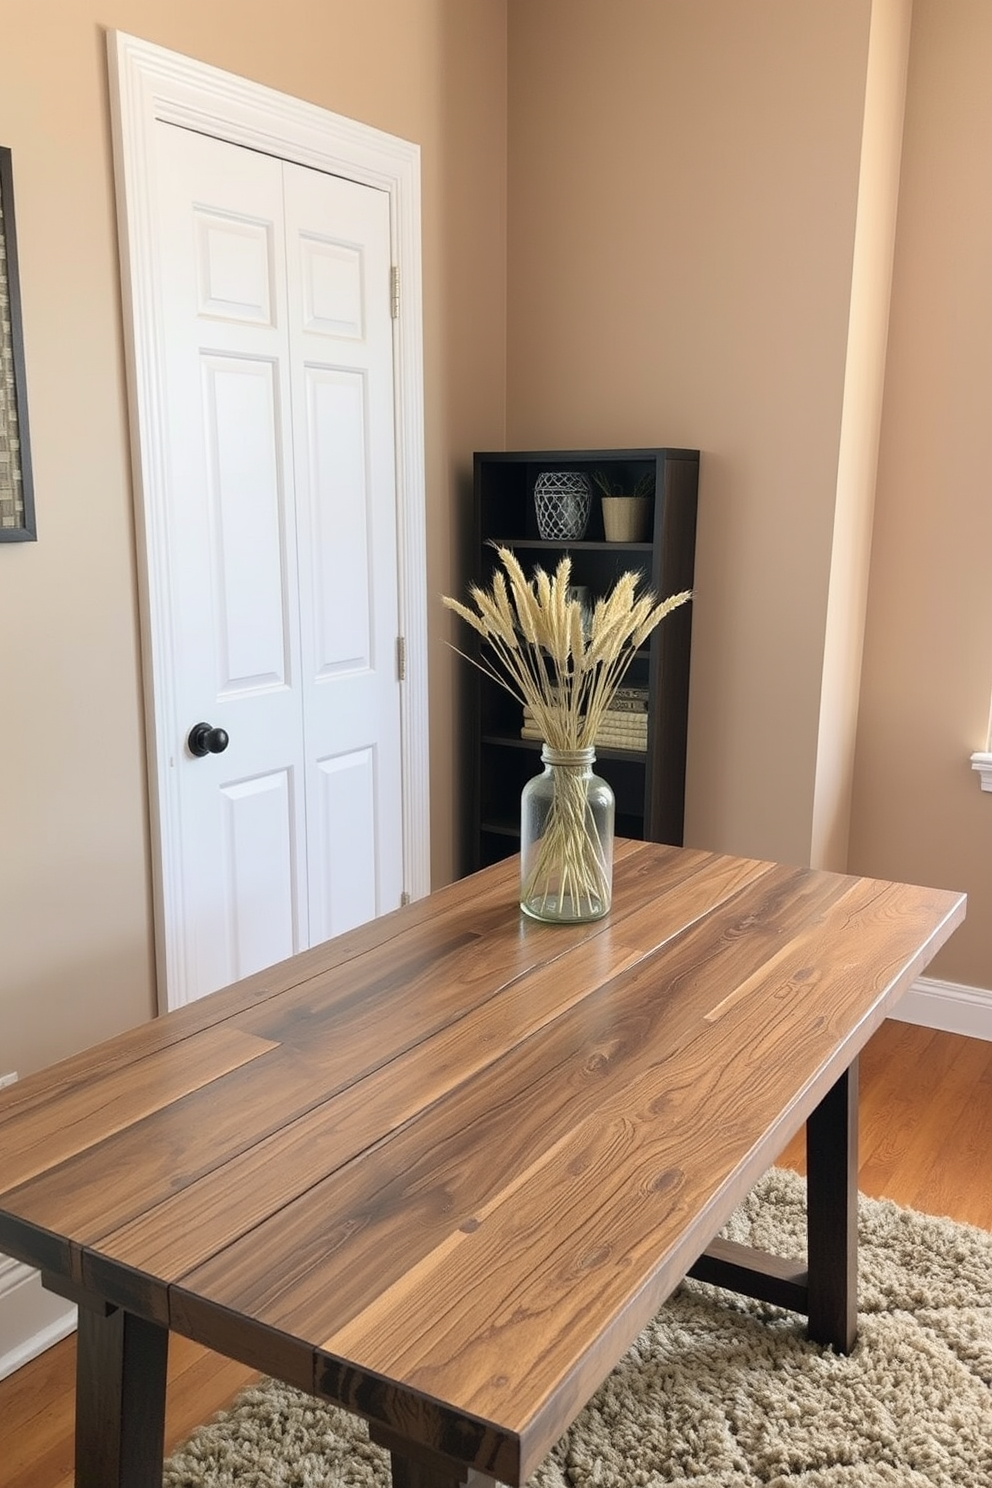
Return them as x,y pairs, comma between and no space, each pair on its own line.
444,1168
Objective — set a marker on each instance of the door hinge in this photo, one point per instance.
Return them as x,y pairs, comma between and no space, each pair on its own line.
401,658
394,291
404,897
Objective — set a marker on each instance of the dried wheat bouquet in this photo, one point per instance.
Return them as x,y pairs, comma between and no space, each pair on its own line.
541,653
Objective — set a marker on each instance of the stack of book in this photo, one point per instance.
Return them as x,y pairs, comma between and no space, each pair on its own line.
624,725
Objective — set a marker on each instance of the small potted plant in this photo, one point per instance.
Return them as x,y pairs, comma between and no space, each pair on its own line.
626,513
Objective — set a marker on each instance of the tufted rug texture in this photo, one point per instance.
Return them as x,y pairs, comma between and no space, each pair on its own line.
719,1391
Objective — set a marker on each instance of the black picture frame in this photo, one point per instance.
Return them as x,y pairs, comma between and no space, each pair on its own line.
17,519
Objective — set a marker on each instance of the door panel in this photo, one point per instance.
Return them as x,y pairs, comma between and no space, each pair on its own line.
332,279
345,809
232,555
246,523
338,499
282,550
258,856
338,262
234,267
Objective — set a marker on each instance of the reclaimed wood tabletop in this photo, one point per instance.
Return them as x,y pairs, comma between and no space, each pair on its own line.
443,1168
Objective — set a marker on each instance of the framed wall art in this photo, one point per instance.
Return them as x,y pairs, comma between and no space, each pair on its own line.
16,492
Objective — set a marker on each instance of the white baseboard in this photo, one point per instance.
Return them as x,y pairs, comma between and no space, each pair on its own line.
31,1319
949,1006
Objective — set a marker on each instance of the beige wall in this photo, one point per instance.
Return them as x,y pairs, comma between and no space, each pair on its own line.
701,213
681,255
75,931
918,812
683,196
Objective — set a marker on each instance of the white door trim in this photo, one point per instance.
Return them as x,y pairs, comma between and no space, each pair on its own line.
150,84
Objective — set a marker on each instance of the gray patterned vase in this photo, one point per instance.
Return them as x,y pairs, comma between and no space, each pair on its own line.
561,500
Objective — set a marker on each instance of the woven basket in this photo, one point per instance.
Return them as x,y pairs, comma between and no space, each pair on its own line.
627,518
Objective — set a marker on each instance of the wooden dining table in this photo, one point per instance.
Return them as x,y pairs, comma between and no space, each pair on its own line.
442,1169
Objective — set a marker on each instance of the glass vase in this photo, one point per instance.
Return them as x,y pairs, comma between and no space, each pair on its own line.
566,839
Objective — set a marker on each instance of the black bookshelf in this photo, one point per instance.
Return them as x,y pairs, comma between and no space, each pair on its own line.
649,785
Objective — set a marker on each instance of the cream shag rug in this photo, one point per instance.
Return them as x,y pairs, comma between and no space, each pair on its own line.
720,1392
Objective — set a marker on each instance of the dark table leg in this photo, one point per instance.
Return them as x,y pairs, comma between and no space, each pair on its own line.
120,1399
826,1289
407,1474
415,1466
832,1216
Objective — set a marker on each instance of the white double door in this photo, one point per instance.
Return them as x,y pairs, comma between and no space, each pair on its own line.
281,551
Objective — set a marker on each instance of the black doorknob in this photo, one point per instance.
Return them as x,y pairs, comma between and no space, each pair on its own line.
203,740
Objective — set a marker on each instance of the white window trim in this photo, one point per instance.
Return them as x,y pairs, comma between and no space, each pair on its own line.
982,762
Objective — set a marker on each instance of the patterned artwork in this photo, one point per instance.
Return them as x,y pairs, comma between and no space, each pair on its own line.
15,501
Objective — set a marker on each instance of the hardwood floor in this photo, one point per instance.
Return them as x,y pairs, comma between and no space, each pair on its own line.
926,1140
925,1122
